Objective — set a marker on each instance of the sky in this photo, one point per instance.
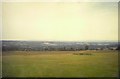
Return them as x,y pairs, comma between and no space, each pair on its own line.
60,21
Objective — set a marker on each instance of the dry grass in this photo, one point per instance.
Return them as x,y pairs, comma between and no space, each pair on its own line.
60,64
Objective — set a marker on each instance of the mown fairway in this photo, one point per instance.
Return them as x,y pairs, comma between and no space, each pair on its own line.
60,64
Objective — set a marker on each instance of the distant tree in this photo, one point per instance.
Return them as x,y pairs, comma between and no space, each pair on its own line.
71,49
101,48
64,48
46,49
86,47
118,48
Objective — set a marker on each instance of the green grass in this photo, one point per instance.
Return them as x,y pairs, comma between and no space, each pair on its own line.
60,64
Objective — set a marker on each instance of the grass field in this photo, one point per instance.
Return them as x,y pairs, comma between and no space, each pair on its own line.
60,64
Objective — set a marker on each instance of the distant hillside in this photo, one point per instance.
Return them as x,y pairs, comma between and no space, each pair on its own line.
53,45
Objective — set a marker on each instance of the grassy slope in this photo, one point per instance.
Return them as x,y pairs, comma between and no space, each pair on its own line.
60,64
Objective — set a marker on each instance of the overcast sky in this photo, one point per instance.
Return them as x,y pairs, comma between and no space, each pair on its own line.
60,21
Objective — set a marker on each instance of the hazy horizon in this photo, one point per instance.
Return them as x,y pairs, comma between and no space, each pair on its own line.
66,41
59,21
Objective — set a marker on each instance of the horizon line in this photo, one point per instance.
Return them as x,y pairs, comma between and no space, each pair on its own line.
65,40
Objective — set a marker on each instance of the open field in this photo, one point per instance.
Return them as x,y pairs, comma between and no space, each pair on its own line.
60,64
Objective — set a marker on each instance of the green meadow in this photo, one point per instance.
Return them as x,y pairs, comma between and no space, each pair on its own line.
89,63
